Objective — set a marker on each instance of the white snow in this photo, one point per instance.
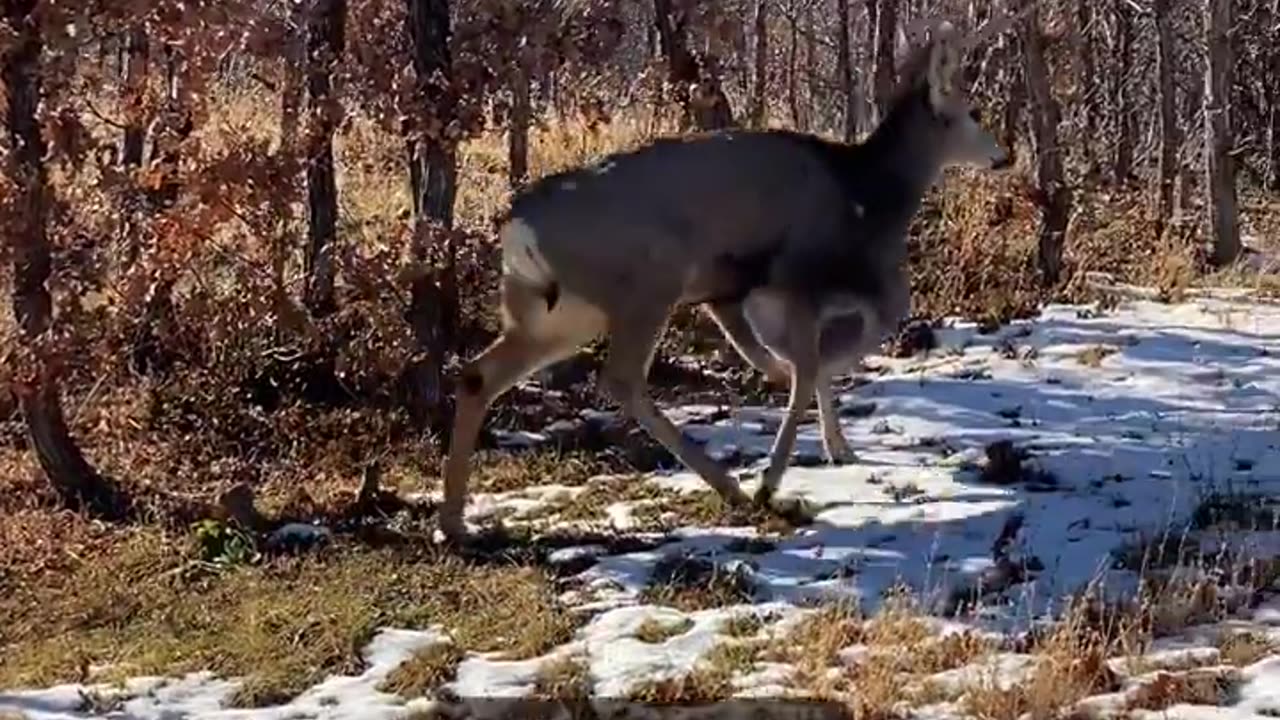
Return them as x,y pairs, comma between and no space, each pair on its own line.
200,695
1126,444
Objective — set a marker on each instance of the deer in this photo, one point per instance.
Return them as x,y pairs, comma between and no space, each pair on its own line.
795,246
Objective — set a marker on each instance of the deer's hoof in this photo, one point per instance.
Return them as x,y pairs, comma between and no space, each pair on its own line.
764,494
841,454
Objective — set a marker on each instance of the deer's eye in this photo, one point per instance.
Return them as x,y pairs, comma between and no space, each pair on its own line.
976,115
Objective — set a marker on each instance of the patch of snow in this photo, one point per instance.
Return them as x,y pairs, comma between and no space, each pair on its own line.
1004,671
1123,445
201,695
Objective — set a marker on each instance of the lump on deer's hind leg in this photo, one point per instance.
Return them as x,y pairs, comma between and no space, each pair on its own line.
472,381
552,295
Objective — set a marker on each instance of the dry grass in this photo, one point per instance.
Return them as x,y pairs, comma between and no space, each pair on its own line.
140,607
567,679
1245,648
654,631
743,625
710,681
694,583
1199,686
427,670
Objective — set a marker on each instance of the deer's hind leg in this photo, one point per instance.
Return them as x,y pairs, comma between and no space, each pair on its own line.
533,338
632,339
733,323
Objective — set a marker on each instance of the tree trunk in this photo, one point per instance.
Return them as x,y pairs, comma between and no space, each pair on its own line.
793,75
1055,197
1121,105
135,88
172,126
884,14
1271,82
1170,137
326,25
697,88
761,89
433,298
1220,171
74,479
1013,83
1088,80
844,72
1190,164
521,110
291,96
292,89
811,70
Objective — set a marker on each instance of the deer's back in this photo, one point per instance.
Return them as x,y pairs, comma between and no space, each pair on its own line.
680,213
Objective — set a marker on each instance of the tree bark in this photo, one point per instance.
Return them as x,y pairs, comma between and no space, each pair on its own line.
432,314
844,72
521,110
1220,170
1190,164
697,88
77,483
810,69
292,89
326,27
134,88
884,18
1170,137
1055,197
1271,83
1088,79
135,82
760,91
1121,105
793,75
1013,83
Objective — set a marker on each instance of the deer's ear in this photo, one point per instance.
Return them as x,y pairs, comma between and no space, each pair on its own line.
944,63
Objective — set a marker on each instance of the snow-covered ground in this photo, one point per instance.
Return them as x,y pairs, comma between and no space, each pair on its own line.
1129,419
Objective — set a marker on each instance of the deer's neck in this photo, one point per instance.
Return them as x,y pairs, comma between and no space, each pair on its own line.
903,160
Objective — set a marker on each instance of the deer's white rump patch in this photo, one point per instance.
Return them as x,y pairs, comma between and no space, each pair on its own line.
520,254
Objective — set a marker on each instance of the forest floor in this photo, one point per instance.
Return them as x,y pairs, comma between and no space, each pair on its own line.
1126,455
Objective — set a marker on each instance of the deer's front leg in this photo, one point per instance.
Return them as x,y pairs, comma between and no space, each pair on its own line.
833,440
795,329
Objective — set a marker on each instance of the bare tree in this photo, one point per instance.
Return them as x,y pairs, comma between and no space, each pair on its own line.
844,73
813,77
884,19
1054,195
326,28
1087,79
696,83
1220,170
1271,82
521,111
433,297
291,91
1170,136
1190,164
1014,87
135,87
793,83
75,480
761,87
1121,103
